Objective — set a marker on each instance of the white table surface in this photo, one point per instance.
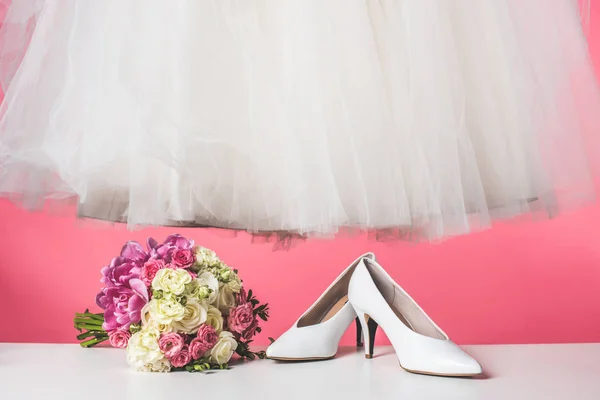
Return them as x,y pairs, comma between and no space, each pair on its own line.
532,372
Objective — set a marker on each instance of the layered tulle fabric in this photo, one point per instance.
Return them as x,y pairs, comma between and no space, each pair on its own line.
411,118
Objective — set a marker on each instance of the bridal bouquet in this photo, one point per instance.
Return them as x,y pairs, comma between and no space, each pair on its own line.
174,306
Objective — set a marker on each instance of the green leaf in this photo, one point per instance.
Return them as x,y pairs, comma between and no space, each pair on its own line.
262,316
271,340
242,346
249,294
134,328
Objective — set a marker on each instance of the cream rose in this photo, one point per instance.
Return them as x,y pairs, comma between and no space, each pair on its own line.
147,321
207,279
215,318
162,365
143,353
225,273
225,299
206,257
235,284
197,291
224,349
194,315
171,281
165,310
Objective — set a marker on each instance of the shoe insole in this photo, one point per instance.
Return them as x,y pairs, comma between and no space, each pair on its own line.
342,302
335,308
401,317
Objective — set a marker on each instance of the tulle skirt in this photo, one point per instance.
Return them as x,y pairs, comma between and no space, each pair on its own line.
408,118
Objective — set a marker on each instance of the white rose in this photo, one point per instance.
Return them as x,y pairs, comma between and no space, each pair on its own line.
224,349
235,284
209,280
215,318
206,257
197,291
162,365
143,353
225,300
148,322
194,315
146,314
171,280
225,273
165,310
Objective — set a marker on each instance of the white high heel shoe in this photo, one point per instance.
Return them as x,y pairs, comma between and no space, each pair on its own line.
421,346
317,333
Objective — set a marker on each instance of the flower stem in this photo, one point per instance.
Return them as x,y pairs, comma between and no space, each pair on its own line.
85,335
97,317
89,327
93,342
89,322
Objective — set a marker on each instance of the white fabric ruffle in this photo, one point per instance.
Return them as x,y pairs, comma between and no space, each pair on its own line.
299,116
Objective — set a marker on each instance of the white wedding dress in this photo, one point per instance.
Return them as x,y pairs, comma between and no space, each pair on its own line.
407,118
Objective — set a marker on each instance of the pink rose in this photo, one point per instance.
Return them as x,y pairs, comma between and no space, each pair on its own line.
170,344
150,269
182,358
197,349
242,297
205,339
119,338
251,330
182,258
240,318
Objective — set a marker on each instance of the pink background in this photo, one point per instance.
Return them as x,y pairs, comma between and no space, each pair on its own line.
517,283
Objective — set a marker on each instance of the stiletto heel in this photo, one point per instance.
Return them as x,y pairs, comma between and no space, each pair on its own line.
359,334
372,328
369,329
316,335
421,346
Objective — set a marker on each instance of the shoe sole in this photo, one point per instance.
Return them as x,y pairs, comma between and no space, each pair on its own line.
406,369
301,359
442,375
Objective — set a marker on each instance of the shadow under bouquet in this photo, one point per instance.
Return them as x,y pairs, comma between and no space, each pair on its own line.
175,306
